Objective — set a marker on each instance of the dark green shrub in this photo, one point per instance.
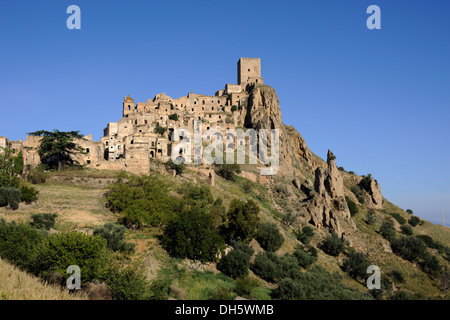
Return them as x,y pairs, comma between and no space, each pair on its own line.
44,221
269,237
60,250
371,217
18,243
115,237
198,196
179,168
356,264
10,197
426,239
159,130
351,206
242,221
333,245
316,284
365,182
241,246
28,194
192,234
228,171
397,276
174,117
409,247
305,258
247,186
414,221
305,235
431,265
235,264
159,289
223,293
358,192
233,108
289,219
387,230
406,230
409,211
266,266
398,217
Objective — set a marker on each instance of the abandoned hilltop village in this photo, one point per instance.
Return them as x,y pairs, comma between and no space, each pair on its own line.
133,142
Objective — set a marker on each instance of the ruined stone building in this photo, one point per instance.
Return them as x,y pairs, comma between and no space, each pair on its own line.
146,128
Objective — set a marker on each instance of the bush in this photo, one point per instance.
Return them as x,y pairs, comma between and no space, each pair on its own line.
223,293
414,221
28,194
60,250
192,234
241,246
397,276
228,171
44,221
409,211
365,182
351,206
159,130
409,247
37,175
399,218
387,230
316,284
305,258
115,237
198,196
233,108
333,245
431,265
235,264
266,266
402,295
179,168
245,286
127,283
371,217
142,200
305,235
174,117
10,197
242,221
426,239
356,265
407,230
358,192
269,237
247,186
18,244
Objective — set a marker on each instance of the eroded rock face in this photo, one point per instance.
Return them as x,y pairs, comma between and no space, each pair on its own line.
375,194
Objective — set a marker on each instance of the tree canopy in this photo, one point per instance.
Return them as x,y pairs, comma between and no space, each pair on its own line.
57,147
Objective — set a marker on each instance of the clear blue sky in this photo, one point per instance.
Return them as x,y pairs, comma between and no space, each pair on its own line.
379,99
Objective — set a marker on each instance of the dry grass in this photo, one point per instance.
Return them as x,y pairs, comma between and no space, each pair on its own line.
18,285
77,207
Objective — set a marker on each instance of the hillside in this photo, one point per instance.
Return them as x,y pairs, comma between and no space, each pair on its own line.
412,254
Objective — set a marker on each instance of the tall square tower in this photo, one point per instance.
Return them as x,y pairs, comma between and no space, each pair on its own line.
248,68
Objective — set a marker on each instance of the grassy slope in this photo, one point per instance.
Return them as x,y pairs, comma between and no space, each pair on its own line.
18,285
84,207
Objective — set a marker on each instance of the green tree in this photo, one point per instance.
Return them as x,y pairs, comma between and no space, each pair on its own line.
333,245
228,171
242,221
269,237
414,221
11,166
235,264
115,237
351,206
387,230
191,234
44,221
356,264
57,147
60,250
409,247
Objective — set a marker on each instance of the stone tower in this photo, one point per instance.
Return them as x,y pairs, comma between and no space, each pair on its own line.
249,71
128,105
